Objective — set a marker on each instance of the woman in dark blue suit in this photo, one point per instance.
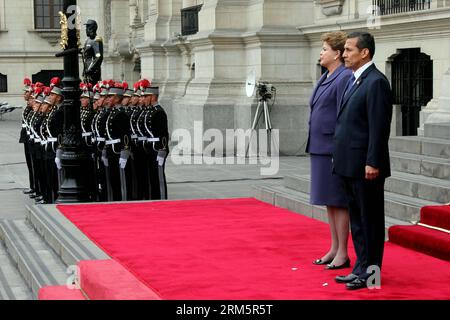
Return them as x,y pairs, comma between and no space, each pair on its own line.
326,188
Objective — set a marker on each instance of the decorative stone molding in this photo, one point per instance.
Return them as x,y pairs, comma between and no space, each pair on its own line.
53,36
331,7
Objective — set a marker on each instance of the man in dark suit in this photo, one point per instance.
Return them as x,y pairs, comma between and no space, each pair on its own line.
361,154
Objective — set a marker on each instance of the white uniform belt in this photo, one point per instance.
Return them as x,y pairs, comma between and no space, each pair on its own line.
101,139
37,140
52,139
24,125
28,132
86,134
153,140
32,136
110,142
142,138
44,142
134,136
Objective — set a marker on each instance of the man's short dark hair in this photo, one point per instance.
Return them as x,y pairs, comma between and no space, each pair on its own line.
365,41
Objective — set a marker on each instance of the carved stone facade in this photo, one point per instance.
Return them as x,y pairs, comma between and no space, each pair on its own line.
202,76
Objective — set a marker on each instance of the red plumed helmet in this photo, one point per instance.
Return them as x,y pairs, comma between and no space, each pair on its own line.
145,84
38,84
125,85
47,91
82,86
137,86
38,90
27,82
55,82
90,86
96,87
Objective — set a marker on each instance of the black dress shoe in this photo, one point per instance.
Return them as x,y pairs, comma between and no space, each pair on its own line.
41,202
356,284
346,264
28,191
32,195
321,262
346,279
40,198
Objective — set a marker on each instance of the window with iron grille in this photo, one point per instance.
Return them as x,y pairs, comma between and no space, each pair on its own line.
46,13
3,83
189,20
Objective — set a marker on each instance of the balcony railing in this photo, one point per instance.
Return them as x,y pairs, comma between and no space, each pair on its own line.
385,7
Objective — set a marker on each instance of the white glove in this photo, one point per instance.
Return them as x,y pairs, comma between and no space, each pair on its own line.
161,158
123,163
58,163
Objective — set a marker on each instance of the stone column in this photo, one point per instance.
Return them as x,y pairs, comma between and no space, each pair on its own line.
437,110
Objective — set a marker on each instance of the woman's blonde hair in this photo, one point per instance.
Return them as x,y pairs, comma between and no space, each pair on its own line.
336,40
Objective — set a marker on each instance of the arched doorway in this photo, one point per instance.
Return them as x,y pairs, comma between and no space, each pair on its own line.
412,86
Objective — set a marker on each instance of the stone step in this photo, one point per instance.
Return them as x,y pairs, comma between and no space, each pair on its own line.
432,147
296,201
36,261
437,130
418,164
417,186
398,206
62,236
12,285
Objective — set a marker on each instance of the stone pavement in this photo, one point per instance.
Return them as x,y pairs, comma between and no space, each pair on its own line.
186,181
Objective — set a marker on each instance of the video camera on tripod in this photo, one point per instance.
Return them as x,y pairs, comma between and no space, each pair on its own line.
265,90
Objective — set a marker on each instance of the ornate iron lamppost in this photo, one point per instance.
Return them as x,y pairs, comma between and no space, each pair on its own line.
73,188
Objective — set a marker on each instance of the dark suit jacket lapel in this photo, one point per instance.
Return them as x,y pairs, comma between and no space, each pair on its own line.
355,87
326,83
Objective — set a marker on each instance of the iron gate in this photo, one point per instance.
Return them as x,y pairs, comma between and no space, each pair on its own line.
412,86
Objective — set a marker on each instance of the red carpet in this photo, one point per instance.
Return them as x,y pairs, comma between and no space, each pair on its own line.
241,249
429,241
436,216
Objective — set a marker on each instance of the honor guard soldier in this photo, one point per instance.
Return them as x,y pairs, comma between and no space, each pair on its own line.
140,186
157,132
101,136
37,89
144,102
55,125
51,177
118,144
38,163
28,90
99,100
87,114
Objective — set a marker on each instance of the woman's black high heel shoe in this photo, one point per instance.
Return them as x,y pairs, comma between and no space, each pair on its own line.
346,264
321,262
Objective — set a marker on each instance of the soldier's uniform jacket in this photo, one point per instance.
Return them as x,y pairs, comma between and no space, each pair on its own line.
55,126
87,116
134,117
100,127
23,132
29,121
43,131
157,128
140,125
36,127
118,128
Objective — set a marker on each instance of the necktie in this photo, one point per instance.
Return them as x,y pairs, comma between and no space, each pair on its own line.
349,86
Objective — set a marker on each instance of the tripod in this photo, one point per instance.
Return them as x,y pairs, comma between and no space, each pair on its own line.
262,108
